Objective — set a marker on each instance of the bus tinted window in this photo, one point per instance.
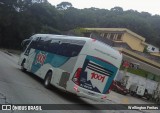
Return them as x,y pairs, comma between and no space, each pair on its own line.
42,44
73,50
53,47
68,49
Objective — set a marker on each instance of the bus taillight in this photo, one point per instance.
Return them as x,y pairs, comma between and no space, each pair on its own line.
76,88
77,76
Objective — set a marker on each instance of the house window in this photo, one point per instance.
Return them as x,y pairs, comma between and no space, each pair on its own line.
112,36
105,35
119,37
108,35
115,37
102,34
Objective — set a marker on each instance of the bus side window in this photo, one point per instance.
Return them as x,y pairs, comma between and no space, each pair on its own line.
40,45
32,45
74,50
53,46
43,44
64,48
69,50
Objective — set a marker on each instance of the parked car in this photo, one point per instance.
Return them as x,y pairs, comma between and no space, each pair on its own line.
119,88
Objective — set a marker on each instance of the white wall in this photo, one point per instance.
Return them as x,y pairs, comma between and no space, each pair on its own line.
152,48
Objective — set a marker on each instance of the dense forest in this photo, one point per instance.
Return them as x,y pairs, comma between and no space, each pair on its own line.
19,19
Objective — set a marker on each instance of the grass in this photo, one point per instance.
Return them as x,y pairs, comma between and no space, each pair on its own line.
142,73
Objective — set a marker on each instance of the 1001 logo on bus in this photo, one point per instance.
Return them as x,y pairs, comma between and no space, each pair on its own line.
40,58
97,76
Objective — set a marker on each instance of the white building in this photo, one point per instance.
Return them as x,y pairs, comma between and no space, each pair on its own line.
152,48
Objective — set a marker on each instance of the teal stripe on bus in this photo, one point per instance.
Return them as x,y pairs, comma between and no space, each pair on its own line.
108,66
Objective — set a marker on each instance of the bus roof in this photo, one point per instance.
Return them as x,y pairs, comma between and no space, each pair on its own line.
61,36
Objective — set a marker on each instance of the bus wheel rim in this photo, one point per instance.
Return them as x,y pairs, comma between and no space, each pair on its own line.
47,81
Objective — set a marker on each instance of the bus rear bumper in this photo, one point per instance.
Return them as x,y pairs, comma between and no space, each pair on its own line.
89,94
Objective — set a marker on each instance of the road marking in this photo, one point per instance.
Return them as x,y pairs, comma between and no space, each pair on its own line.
124,100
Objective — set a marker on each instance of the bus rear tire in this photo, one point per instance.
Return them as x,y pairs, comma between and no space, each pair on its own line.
47,80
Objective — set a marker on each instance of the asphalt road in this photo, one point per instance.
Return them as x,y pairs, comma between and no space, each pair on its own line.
25,88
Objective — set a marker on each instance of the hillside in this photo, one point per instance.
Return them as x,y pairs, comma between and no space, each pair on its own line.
20,19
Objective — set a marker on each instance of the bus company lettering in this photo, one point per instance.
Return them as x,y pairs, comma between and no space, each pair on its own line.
97,76
40,58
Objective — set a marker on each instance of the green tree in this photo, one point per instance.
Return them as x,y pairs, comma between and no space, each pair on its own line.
64,5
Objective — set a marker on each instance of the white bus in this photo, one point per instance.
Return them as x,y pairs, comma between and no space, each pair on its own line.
80,65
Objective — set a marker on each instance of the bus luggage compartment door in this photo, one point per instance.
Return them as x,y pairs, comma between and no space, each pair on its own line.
63,80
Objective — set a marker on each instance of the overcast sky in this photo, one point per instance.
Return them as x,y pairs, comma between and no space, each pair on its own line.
151,6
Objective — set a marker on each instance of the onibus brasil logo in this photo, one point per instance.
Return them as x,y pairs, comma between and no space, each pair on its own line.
40,58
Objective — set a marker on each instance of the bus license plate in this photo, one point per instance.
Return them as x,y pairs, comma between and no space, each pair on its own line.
90,93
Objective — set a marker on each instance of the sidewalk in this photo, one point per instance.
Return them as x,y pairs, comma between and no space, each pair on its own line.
127,99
